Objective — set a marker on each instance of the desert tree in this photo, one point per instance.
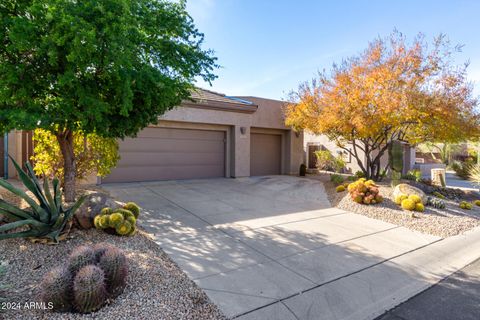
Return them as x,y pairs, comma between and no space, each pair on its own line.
392,91
108,67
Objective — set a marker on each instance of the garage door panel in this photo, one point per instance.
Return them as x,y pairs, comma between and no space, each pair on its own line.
265,154
178,146
180,134
167,153
133,174
138,159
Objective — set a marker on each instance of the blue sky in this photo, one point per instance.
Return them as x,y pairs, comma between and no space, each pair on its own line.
267,47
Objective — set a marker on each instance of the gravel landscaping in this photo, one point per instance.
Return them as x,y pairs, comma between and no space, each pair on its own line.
157,288
443,223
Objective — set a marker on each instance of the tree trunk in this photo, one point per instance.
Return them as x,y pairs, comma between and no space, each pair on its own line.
65,140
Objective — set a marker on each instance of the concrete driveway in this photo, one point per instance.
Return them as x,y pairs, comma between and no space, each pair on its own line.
273,248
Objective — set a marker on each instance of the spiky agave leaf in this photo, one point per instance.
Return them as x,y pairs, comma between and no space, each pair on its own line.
48,219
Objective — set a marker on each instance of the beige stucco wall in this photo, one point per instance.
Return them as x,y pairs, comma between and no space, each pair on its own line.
313,139
269,116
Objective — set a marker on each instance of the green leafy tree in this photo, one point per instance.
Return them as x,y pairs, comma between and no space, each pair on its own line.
93,154
108,67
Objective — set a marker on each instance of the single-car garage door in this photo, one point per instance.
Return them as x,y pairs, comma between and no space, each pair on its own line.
167,153
265,154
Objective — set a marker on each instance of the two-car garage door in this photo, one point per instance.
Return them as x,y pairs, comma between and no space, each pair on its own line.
168,153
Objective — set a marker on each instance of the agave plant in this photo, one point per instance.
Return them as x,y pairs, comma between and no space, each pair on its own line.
474,174
46,217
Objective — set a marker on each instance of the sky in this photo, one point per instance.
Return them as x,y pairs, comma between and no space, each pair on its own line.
266,48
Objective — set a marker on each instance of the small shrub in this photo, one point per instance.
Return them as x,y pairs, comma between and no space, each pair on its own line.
438,195
326,161
359,174
364,192
462,169
477,202
340,188
474,174
408,204
352,178
465,205
336,179
413,175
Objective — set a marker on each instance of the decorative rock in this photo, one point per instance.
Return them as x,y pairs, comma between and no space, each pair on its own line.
91,207
407,189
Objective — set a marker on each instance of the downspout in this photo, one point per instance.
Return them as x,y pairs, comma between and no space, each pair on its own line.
5,155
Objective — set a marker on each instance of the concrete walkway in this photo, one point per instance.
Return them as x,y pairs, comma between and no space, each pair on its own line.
273,248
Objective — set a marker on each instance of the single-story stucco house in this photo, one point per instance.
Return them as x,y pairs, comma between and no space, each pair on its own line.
212,136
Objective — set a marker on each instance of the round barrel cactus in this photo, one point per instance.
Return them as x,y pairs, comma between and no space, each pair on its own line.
56,288
80,257
100,249
133,207
114,263
89,289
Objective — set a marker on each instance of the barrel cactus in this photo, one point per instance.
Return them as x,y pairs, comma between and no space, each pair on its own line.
100,249
89,289
106,211
133,207
436,203
121,220
86,290
114,263
115,219
56,288
123,228
80,257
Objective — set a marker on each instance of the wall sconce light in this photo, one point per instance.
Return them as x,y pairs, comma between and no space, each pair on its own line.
297,134
243,130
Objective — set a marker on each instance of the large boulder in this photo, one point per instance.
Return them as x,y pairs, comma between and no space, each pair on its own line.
407,189
94,202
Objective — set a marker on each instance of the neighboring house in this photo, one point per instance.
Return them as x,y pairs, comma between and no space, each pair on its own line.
314,142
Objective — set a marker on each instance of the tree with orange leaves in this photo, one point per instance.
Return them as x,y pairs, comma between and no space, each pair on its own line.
392,91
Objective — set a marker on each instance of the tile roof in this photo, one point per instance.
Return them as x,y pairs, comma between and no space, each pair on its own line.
200,94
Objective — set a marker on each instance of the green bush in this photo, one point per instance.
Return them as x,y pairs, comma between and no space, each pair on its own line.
46,218
413,175
462,169
336,179
326,161
359,174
